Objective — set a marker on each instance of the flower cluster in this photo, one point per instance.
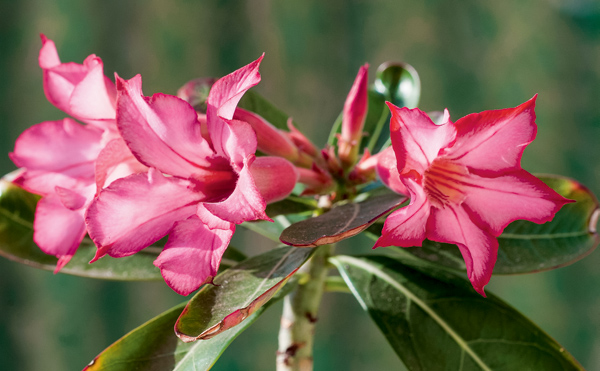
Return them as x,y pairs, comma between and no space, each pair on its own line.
141,168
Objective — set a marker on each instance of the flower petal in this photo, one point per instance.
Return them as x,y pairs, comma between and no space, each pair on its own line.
192,254
115,161
481,135
416,140
223,98
240,143
406,227
478,247
162,131
48,56
80,90
93,98
387,170
274,177
56,153
245,202
137,211
498,201
58,230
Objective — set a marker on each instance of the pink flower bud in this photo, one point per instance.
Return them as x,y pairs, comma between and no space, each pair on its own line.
355,111
271,140
317,181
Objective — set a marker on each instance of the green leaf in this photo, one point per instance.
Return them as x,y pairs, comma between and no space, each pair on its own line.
526,247
399,83
254,102
238,292
17,210
154,347
341,222
377,130
440,323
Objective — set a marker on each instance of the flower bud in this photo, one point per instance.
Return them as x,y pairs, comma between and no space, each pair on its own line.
355,111
271,140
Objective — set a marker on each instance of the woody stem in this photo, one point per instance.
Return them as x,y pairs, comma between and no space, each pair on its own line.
296,334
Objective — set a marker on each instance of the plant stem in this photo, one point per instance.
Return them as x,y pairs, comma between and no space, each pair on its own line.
296,334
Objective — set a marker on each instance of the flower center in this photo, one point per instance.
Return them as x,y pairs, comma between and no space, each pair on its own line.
444,182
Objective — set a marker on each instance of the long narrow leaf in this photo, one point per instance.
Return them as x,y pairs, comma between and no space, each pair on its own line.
440,323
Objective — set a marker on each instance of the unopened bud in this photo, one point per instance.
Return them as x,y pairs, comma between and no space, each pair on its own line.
355,111
271,140
316,180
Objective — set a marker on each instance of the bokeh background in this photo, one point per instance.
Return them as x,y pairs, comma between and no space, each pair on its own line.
471,56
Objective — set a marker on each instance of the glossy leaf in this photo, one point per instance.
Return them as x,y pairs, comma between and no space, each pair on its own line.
154,347
254,102
238,292
526,247
399,83
340,222
440,323
17,210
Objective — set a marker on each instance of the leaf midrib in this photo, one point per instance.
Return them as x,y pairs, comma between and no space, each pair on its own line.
456,337
16,219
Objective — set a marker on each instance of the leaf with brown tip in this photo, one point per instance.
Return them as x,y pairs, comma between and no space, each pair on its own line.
238,292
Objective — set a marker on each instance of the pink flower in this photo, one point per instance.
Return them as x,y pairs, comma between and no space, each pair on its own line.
66,162
465,182
204,179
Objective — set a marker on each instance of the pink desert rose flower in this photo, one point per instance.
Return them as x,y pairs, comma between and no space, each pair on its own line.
465,182
204,179
66,162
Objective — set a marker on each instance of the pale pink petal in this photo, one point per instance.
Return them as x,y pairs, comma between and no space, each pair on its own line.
387,170
227,91
406,227
137,211
223,98
416,140
48,56
498,201
162,131
57,153
478,247
115,161
494,141
94,98
238,143
275,177
192,254
210,220
245,203
57,230
73,200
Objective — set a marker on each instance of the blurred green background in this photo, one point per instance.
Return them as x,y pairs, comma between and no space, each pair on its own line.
471,56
